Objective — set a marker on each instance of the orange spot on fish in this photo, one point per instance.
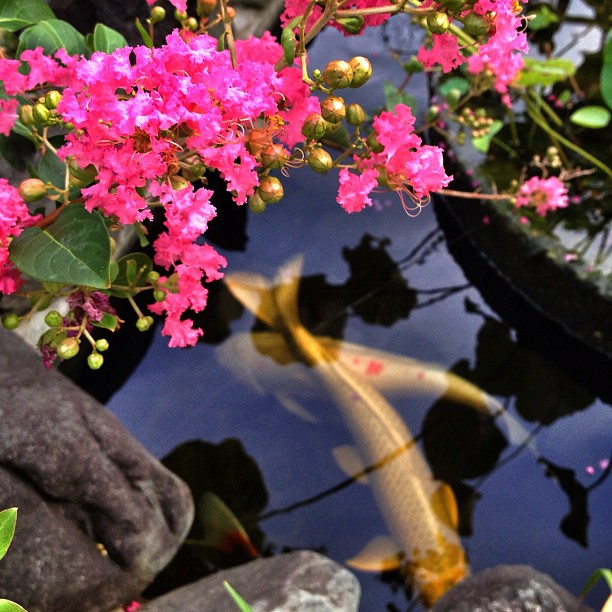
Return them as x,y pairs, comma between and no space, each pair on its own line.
374,367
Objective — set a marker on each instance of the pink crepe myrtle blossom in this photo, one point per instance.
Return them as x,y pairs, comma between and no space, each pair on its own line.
444,51
354,190
543,194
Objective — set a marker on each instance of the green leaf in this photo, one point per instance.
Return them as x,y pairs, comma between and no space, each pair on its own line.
454,83
8,518
591,117
51,35
107,40
52,169
133,270
545,72
18,14
146,39
393,97
542,18
74,250
242,605
594,578
108,321
605,80
10,606
482,143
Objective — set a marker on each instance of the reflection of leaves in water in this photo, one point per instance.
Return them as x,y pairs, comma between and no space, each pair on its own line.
505,367
228,471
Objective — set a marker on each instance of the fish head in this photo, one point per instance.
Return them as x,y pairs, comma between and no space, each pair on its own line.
435,572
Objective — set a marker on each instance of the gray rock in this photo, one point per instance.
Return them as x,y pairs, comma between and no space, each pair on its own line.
98,515
293,582
509,588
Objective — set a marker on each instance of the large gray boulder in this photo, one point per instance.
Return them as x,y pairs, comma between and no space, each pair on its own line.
509,588
292,582
98,515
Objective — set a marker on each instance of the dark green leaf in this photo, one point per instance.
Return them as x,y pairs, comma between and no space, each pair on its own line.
393,97
18,14
454,83
542,18
591,117
146,39
74,250
482,143
52,169
8,518
545,72
108,321
606,72
51,35
106,39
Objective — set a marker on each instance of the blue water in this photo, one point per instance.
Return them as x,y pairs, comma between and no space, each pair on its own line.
177,395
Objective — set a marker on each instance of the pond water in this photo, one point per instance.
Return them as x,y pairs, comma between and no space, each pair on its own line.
431,313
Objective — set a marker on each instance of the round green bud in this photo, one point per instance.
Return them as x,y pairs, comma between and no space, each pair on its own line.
26,114
153,276
338,74
52,99
179,183
270,190
256,204
453,97
274,156
180,16
320,160
54,319
454,6
475,25
158,13
102,345
205,7
333,109
191,23
41,113
412,66
314,127
316,74
355,115
68,348
11,321
159,295
362,71
438,23
352,25
144,323
32,190
433,112
95,361
373,144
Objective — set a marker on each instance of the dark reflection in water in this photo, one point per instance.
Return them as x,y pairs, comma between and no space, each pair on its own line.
381,280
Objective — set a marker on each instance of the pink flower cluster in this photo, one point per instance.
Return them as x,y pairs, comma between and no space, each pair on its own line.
142,115
543,194
404,165
501,53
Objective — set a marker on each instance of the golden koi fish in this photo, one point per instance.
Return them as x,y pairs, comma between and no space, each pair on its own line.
420,512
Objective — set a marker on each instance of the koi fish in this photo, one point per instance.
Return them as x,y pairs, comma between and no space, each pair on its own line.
420,512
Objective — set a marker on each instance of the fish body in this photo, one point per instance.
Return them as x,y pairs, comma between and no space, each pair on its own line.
420,512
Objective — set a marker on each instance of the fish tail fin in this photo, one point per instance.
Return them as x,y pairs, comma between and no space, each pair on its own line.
286,289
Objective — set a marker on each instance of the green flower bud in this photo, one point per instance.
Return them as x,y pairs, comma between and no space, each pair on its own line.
102,345
454,6
270,190
256,204
158,13
205,7
314,127
32,190
180,16
438,23
355,115
68,348
52,99
274,156
159,295
362,71
191,23
41,113
153,276
54,319
26,114
144,323
11,321
333,109
95,361
352,25
475,25
412,66
338,74
319,160
316,74
178,182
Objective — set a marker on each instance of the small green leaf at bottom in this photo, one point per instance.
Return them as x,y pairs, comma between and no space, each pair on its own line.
10,606
8,518
242,605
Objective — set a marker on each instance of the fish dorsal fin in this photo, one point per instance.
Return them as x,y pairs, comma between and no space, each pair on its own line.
286,288
256,294
444,506
274,345
350,462
222,530
380,555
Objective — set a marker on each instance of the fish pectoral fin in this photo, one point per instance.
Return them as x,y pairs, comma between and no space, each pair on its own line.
382,554
444,506
255,293
294,407
350,462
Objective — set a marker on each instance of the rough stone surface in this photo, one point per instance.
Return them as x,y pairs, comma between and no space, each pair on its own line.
79,480
509,588
293,582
